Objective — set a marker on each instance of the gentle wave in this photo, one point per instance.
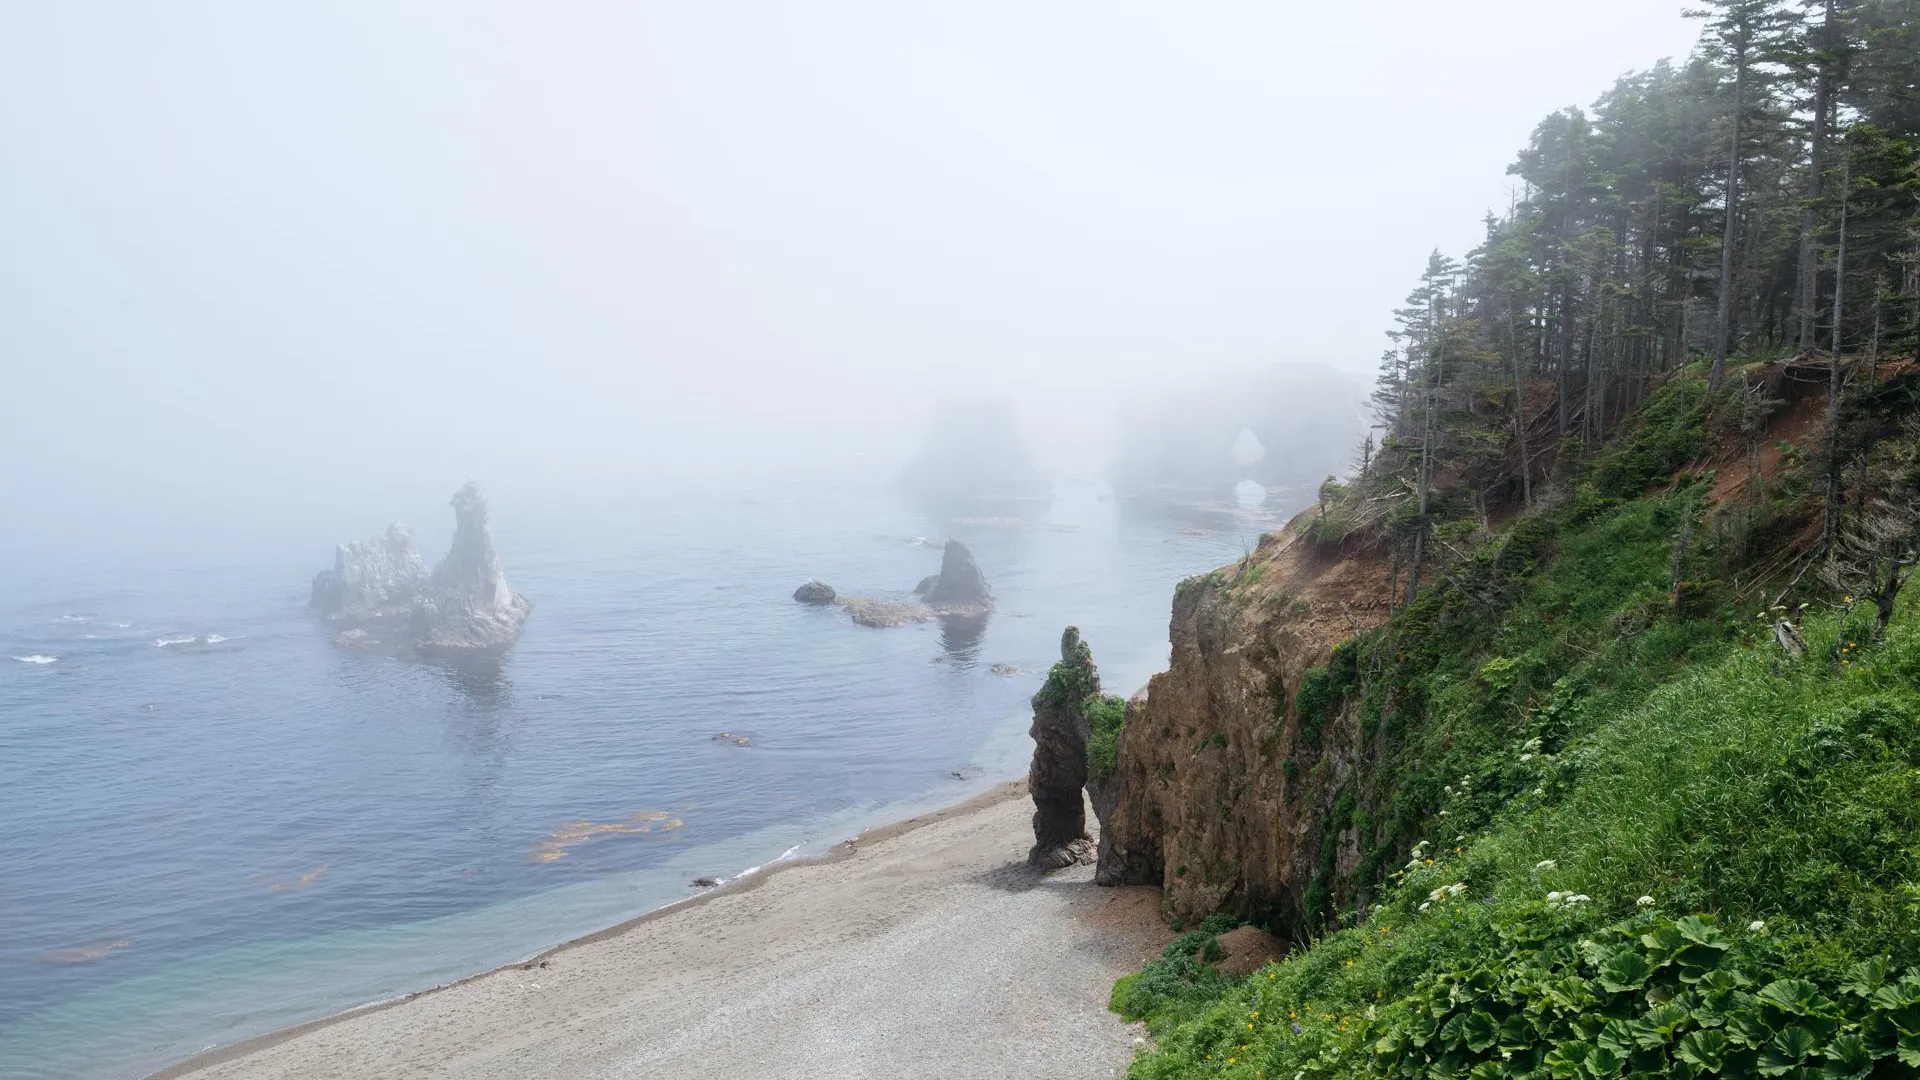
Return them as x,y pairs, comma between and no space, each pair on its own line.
197,639
36,658
81,617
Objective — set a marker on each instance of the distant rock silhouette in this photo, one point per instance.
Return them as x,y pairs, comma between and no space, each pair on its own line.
974,454
960,587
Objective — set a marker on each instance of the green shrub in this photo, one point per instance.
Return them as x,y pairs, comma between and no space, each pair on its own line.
1107,717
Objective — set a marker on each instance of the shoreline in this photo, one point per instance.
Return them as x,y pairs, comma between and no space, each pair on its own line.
975,824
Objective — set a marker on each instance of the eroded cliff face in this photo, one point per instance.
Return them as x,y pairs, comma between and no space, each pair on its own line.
1219,796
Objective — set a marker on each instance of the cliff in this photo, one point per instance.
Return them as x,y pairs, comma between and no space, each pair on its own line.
1218,794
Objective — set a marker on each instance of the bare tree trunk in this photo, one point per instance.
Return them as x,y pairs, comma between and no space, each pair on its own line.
1520,410
1806,285
1723,322
1831,523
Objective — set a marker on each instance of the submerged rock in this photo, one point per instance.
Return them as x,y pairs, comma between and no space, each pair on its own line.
1058,775
817,593
884,613
466,604
960,586
370,576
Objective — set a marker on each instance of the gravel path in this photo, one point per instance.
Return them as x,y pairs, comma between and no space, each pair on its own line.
929,951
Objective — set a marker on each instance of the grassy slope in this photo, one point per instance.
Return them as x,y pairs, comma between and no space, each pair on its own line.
1552,723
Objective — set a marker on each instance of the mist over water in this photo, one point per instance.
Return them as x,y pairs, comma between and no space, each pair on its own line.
220,824
683,287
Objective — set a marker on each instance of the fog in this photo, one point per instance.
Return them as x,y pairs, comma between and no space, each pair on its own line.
321,263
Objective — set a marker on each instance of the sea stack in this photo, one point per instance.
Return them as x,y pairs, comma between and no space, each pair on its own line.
370,577
961,588
1058,774
466,604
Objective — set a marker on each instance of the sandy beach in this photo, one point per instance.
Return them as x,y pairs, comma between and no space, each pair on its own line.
926,949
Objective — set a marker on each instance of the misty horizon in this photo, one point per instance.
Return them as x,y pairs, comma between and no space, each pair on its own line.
316,265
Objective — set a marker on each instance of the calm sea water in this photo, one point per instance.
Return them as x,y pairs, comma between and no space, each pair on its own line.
202,840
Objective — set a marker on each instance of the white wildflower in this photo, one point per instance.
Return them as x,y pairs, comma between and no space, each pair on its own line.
1443,813
1524,758
1758,926
1459,838
1645,901
1554,897
1456,889
1448,789
1539,791
1425,905
1579,898
1545,864
1531,744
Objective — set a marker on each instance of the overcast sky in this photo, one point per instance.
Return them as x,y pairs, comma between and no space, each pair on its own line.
350,250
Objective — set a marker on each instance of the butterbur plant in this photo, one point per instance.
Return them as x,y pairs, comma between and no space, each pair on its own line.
1648,997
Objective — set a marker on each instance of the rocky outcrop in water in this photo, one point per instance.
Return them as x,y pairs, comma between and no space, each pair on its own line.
816,593
1058,776
382,590
881,614
961,587
467,604
370,577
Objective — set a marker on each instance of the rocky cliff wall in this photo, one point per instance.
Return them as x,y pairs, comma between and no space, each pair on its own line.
1219,795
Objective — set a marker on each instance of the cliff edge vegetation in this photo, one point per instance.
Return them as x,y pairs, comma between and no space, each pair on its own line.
1576,731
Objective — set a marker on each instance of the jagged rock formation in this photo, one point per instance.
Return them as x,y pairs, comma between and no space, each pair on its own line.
1219,794
960,587
975,454
926,585
466,604
816,593
1058,776
382,587
370,576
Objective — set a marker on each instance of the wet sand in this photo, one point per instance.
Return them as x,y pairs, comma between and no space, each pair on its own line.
926,949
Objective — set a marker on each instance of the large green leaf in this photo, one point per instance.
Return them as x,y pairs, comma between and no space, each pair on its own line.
1707,1049
1788,1049
1847,1057
1603,1063
1795,997
1480,1031
1517,1031
1624,970
1865,977
1621,1036
1667,1020
1748,1029
1698,930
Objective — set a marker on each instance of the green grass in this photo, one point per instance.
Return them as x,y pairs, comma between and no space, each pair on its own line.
1107,716
1746,788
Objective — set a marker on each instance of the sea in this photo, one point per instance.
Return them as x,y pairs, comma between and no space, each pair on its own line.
215,824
